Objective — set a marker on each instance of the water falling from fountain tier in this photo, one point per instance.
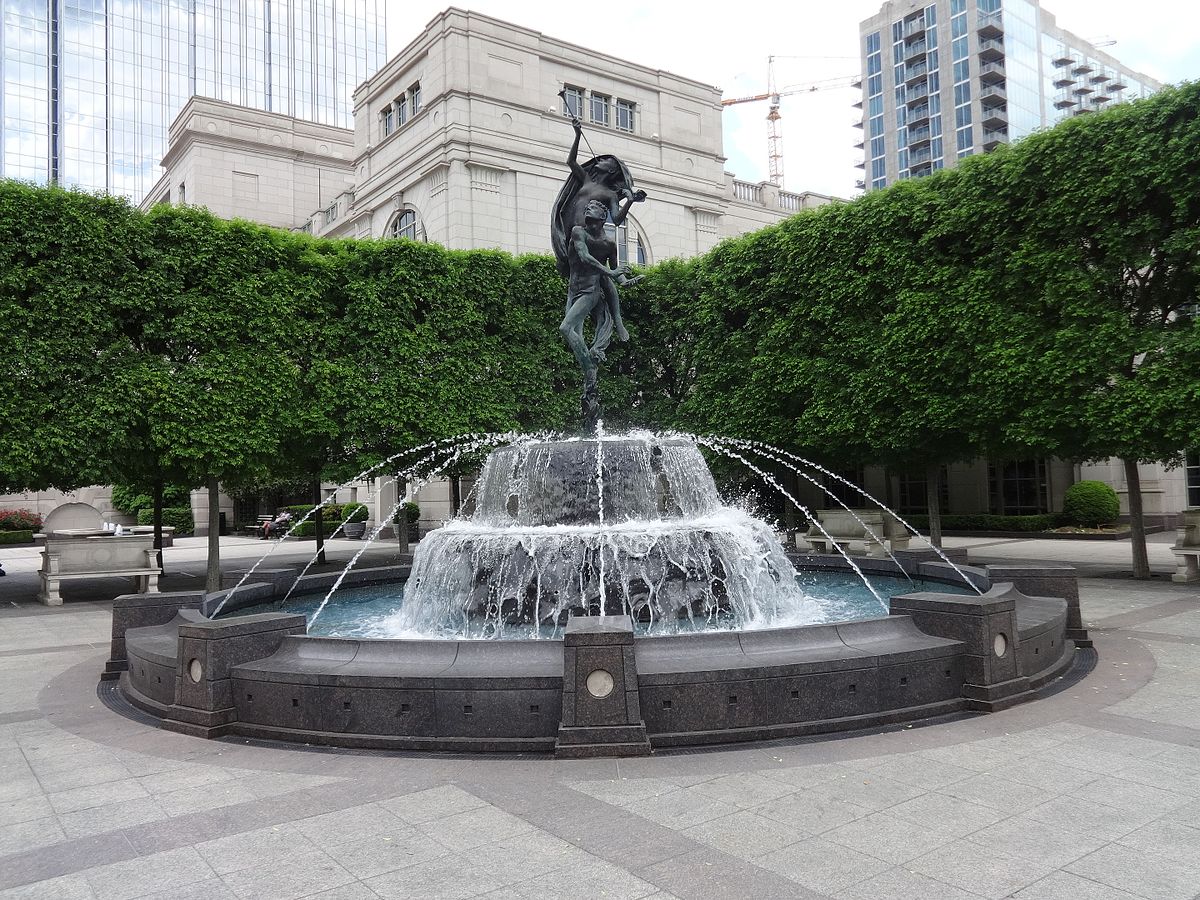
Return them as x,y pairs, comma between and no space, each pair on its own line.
630,524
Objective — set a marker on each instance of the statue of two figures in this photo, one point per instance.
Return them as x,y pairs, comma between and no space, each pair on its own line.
596,194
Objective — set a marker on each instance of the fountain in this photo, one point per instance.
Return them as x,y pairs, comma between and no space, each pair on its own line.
598,598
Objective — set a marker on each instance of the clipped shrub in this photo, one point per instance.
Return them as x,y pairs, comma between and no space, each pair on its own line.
988,522
1091,504
20,520
332,516
178,517
16,536
131,500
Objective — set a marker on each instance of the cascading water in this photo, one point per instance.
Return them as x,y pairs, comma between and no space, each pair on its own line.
628,524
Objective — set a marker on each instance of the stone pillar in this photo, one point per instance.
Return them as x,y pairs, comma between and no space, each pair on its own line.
1187,547
1047,581
601,711
139,610
207,652
385,498
992,678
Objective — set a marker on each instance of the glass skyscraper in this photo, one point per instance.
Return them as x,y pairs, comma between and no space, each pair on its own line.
951,78
89,87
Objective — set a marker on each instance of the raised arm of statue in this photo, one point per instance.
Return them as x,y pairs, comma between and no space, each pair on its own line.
573,156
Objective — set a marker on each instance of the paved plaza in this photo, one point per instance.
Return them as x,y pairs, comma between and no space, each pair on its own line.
1091,793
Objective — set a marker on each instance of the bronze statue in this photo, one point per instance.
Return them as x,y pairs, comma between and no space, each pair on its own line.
595,193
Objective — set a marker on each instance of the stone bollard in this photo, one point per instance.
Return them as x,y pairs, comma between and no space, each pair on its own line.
992,678
207,651
1047,581
138,610
601,711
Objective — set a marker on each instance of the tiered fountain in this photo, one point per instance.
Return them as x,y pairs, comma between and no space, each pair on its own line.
599,599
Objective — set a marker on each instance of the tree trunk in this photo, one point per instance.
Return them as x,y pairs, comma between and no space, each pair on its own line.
933,499
1137,521
157,490
455,495
212,582
319,520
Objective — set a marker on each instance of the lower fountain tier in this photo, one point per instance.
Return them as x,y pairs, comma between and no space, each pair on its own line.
469,578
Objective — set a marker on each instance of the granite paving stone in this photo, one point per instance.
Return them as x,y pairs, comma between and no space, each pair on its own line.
1092,793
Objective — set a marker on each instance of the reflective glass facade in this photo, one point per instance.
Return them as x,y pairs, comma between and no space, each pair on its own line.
90,86
960,77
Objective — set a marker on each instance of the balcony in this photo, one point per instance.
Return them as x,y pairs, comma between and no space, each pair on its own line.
1064,58
916,170
995,118
994,137
1064,81
918,116
1081,68
860,164
919,157
1100,99
860,184
993,95
918,136
861,143
917,93
1116,85
859,124
915,51
992,72
991,49
1082,90
914,28
991,25
916,72
857,83
857,104
1100,77
1065,101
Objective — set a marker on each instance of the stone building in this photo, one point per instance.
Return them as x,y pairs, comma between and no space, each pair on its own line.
461,139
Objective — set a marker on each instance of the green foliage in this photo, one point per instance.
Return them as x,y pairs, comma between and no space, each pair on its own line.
411,510
1091,504
20,520
984,522
332,516
131,499
24,536
177,517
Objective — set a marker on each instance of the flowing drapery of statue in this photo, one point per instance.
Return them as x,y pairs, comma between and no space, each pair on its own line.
597,193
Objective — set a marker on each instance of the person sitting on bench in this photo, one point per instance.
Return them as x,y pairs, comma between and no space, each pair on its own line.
281,522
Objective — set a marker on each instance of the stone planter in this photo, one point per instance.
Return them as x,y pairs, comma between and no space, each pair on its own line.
354,530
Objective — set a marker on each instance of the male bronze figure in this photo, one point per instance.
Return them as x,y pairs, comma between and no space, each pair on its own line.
595,194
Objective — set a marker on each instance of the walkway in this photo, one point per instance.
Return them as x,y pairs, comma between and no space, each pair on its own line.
1093,792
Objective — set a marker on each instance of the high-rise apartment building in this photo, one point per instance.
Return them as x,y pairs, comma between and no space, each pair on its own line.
88,88
947,79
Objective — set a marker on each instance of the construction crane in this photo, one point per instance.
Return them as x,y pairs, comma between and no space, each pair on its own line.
774,118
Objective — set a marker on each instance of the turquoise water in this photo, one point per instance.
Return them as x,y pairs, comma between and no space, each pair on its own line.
363,612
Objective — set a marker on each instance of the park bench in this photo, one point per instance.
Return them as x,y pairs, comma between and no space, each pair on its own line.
1187,546
88,553
845,531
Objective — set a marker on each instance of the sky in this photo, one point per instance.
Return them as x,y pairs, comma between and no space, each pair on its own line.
813,41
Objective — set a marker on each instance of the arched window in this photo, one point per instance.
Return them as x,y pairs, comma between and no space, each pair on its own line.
632,246
404,225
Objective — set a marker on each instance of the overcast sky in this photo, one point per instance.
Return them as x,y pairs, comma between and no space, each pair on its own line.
813,40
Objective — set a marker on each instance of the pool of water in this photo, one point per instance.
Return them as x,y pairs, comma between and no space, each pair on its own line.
364,612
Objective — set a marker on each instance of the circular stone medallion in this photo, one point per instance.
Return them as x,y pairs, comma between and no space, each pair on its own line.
599,683
195,671
1000,645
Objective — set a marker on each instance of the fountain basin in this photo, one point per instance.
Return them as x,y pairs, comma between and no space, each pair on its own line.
260,676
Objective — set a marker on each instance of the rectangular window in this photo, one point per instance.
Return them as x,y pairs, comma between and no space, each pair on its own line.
966,139
913,497
182,194
1018,487
874,85
600,105
573,105
962,117
958,48
957,6
414,98
1193,477
875,106
873,42
874,64
962,70
958,26
625,114
962,94
897,31
931,16
388,120
401,110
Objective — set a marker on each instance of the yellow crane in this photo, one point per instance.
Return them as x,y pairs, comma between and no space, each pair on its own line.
774,117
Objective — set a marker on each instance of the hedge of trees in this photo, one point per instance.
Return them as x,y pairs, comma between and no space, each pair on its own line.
1039,300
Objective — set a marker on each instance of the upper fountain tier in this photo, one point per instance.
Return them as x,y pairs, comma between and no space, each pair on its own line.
595,481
